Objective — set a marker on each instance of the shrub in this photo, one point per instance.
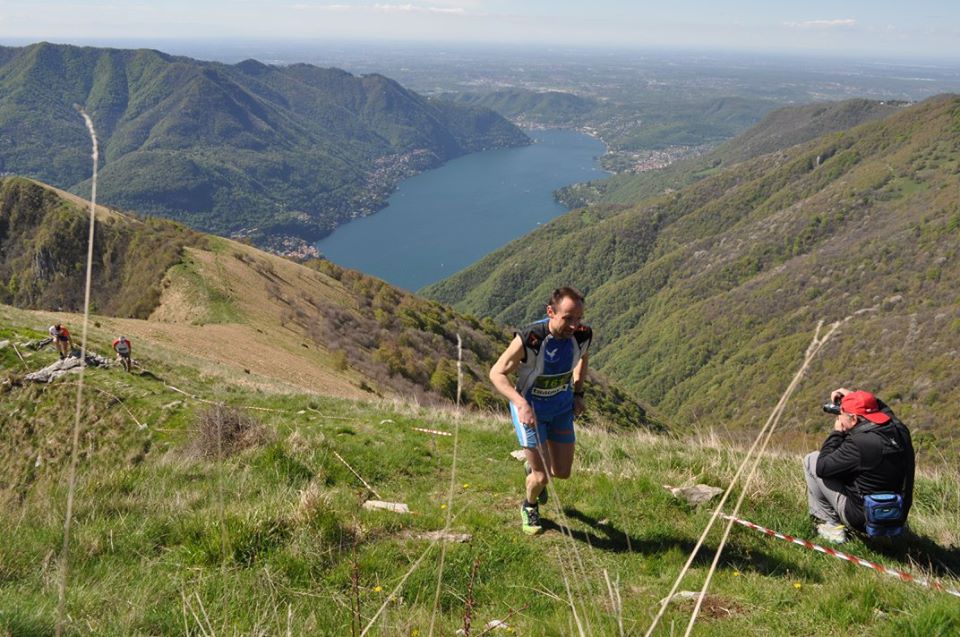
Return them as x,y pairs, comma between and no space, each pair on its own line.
444,379
222,431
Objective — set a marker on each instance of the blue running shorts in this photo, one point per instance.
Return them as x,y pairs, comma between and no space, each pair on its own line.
558,428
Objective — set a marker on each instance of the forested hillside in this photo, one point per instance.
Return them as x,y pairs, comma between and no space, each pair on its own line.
784,127
251,149
43,250
704,299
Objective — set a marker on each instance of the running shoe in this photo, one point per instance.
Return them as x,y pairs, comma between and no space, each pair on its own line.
530,517
542,498
833,533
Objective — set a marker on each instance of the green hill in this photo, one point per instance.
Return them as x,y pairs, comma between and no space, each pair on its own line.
43,247
704,298
671,120
250,149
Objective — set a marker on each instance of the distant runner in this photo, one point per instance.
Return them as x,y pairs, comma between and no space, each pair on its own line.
550,358
61,339
121,345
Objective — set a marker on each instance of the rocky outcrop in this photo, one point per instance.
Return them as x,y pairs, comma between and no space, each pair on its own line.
66,366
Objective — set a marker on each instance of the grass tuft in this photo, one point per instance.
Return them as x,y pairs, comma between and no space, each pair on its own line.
221,431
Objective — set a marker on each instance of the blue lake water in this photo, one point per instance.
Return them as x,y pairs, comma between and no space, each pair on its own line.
442,220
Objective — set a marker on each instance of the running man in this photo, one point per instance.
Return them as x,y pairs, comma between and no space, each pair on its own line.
550,358
61,339
121,345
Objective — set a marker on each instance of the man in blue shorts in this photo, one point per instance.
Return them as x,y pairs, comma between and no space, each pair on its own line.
550,358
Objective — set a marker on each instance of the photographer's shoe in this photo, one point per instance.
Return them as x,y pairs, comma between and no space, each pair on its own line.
833,533
530,517
542,498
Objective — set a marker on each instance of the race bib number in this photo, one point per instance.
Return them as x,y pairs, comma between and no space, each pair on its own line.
548,386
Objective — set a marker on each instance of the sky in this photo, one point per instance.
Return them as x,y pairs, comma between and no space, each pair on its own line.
885,28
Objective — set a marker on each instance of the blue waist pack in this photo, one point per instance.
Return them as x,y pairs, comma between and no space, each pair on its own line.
884,514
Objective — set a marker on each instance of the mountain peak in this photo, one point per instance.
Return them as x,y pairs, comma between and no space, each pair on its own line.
253,67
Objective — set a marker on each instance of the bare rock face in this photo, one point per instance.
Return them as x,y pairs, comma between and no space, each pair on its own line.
68,365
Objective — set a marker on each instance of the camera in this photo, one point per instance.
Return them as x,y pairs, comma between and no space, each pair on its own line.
832,408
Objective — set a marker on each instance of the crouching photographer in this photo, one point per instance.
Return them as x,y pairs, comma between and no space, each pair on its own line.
862,477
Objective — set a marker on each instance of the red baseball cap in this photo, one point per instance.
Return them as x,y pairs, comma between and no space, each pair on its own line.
863,403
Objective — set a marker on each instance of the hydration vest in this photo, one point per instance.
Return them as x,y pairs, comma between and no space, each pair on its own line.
531,379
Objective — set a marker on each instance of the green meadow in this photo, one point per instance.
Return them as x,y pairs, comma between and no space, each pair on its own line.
220,510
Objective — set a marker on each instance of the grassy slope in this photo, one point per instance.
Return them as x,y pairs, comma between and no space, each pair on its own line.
705,298
267,541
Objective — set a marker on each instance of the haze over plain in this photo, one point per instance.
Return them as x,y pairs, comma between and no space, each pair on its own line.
924,29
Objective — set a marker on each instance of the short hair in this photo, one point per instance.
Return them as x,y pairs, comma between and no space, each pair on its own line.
566,292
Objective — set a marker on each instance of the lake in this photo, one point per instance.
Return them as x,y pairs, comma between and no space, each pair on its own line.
444,219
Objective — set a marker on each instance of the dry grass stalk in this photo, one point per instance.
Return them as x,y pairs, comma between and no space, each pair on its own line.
355,620
468,611
313,499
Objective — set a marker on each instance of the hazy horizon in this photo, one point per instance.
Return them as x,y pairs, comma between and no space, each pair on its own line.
232,50
923,29
434,68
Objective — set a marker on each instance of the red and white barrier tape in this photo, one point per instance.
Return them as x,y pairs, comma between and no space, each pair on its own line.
900,575
432,431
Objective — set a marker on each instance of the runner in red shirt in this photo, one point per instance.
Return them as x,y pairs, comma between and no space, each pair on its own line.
61,339
121,345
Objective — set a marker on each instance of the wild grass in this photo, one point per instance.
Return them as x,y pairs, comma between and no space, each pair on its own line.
271,538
